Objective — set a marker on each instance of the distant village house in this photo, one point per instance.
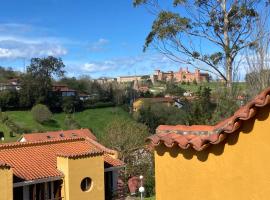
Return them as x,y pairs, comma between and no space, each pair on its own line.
11,84
168,101
64,90
127,79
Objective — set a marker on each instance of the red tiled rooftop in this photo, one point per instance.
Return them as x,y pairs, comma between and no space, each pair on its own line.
37,160
114,162
201,136
84,133
62,88
157,99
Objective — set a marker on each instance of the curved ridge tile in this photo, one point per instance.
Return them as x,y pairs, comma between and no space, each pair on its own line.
200,137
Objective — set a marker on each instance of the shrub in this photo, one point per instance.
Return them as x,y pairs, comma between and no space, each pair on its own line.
41,113
71,104
3,117
71,123
99,105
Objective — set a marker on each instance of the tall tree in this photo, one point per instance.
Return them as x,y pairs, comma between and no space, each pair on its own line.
223,28
37,83
257,58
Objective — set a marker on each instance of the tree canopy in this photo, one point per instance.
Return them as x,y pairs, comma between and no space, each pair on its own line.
37,82
185,33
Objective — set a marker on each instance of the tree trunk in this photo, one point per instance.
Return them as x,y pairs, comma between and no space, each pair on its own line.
227,49
229,72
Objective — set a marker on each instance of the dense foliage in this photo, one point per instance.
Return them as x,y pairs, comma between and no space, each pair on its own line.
127,137
41,113
8,73
37,82
201,110
225,26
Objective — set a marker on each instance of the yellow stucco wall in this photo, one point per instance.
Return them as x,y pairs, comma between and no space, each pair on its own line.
236,169
6,184
137,105
75,170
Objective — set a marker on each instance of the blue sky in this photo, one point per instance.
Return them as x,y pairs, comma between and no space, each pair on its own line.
96,38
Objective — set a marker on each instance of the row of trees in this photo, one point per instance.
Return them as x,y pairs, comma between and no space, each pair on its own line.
7,73
202,110
37,84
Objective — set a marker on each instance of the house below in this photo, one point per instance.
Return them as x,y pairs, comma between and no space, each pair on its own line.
128,79
229,160
84,97
144,102
64,90
58,165
103,80
11,84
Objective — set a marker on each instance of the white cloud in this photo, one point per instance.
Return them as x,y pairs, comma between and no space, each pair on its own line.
95,67
13,49
17,41
140,65
100,45
5,53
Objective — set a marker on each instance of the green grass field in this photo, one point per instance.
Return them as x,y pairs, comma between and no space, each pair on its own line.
94,119
193,88
6,131
212,85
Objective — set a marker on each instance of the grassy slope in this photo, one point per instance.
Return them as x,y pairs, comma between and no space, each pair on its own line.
94,119
193,88
6,131
97,119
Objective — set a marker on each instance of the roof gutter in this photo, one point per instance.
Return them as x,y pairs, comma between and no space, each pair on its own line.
36,181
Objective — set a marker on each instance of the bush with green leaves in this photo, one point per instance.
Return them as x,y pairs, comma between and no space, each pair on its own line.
41,113
71,123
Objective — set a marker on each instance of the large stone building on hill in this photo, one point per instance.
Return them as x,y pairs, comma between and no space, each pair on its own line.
183,75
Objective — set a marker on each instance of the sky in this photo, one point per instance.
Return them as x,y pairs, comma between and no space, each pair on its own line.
93,37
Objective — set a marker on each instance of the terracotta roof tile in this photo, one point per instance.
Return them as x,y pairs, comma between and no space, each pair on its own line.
36,160
112,161
201,136
156,99
85,133
2,164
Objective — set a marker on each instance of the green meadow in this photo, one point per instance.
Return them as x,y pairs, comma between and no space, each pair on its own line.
94,119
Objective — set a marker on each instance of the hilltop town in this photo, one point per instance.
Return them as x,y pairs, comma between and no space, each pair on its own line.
183,75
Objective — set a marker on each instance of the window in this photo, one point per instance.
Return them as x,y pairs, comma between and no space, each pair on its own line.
86,184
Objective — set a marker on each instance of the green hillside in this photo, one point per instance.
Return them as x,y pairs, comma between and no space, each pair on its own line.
94,119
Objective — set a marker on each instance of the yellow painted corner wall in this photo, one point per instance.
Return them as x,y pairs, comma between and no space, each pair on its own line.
6,183
137,105
236,169
75,170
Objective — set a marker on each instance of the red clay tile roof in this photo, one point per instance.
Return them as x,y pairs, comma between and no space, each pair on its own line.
112,161
62,88
2,164
157,99
37,160
31,137
77,133
201,136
